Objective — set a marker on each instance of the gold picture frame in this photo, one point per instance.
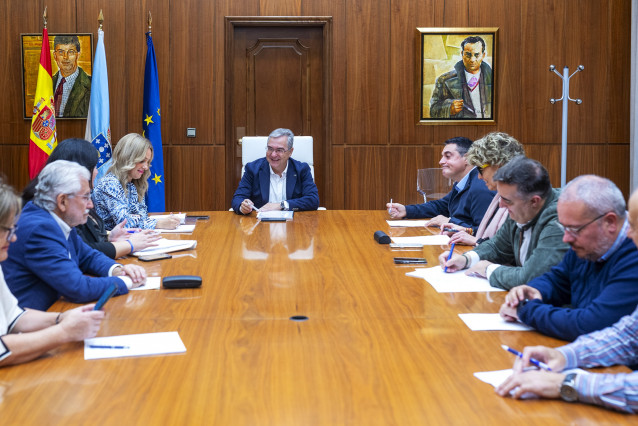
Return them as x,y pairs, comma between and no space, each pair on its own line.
31,46
445,95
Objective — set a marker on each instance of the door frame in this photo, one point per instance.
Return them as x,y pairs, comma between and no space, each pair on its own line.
325,22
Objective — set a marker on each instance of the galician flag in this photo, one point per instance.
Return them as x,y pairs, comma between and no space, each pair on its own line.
43,138
98,121
155,200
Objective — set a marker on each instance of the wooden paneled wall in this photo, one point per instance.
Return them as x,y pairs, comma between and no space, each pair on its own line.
375,146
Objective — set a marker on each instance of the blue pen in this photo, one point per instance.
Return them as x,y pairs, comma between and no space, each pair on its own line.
108,347
449,256
539,364
450,230
131,232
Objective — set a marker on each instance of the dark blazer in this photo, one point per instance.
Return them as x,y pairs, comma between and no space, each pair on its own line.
465,208
43,265
301,191
78,103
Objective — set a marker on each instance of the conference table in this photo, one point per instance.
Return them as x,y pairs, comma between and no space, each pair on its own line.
307,322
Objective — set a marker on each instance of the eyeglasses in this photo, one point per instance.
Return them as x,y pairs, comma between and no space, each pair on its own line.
481,168
11,231
574,231
279,151
85,197
71,52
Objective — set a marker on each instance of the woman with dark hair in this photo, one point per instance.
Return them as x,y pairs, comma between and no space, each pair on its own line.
27,334
118,242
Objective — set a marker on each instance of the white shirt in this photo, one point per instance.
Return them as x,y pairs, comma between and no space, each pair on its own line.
277,186
9,314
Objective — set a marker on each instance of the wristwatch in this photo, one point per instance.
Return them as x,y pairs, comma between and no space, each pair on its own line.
283,205
568,388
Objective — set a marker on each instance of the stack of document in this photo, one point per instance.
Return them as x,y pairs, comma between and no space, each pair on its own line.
275,215
181,229
167,246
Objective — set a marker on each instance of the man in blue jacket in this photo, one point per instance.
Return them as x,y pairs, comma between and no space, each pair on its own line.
276,182
595,283
465,205
49,259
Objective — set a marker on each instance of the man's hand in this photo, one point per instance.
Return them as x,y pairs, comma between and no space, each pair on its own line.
545,384
456,107
81,323
520,293
456,263
246,206
396,210
479,269
437,221
135,272
270,207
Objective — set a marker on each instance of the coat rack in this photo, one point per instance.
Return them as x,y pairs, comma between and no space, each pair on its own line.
565,77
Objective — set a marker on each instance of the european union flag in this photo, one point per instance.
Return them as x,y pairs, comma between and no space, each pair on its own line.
98,121
155,199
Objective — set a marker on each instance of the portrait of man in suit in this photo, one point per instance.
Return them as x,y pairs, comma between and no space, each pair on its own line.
457,75
71,84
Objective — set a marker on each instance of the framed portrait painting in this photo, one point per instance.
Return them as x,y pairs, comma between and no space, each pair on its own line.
71,68
456,75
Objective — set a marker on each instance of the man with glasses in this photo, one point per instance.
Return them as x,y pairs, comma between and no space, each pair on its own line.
529,243
49,259
613,345
276,182
71,85
595,283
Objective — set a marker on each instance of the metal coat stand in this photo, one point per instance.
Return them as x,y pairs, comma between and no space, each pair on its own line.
565,77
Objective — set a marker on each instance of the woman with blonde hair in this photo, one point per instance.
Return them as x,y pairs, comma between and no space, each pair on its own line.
120,193
25,334
487,154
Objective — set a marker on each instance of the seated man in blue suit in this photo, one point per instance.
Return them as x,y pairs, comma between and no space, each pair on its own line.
49,259
276,182
465,205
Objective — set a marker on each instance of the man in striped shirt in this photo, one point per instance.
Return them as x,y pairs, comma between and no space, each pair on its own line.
617,344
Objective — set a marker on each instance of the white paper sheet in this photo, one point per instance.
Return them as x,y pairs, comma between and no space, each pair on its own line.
407,223
181,229
456,282
152,283
167,246
136,345
427,240
484,322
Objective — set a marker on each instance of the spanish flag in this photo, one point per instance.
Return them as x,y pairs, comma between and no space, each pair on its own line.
43,136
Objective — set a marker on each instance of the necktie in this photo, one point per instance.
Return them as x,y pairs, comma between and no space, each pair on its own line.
57,97
473,83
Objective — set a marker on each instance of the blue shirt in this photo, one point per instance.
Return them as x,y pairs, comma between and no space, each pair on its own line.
617,344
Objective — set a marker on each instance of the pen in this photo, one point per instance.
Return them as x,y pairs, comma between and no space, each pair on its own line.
108,347
255,208
539,364
449,256
390,208
450,230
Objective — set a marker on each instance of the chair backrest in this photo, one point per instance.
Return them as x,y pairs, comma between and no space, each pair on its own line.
254,147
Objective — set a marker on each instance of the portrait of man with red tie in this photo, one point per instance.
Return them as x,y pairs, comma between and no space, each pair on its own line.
71,84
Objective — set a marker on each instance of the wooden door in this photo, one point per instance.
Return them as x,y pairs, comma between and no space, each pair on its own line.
276,73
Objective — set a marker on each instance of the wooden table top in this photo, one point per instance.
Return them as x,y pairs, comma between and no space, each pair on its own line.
378,348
